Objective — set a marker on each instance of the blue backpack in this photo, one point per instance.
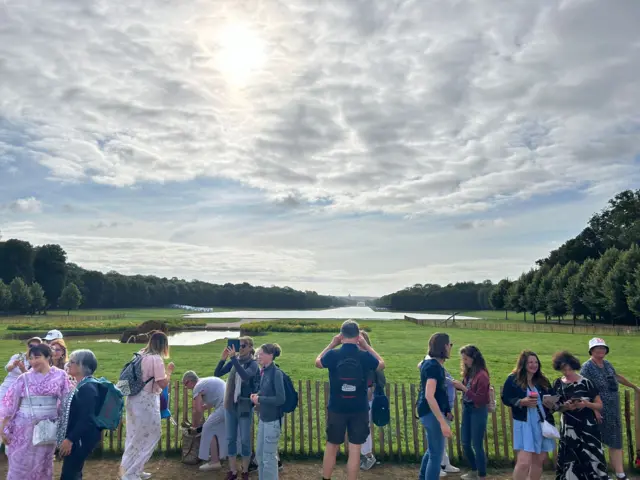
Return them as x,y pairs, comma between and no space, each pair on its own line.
111,403
290,394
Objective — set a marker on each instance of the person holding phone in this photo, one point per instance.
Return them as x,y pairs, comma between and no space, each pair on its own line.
433,405
580,456
523,391
243,380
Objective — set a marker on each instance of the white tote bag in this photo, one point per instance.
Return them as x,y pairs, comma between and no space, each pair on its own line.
548,430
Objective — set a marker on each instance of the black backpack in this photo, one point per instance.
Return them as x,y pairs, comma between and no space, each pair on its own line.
349,380
380,414
290,395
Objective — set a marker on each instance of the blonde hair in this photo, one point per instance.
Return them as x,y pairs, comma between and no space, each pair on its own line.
62,361
158,344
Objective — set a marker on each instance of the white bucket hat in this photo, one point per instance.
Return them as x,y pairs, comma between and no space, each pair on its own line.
597,342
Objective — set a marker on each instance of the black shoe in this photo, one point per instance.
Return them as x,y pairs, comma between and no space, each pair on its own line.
280,466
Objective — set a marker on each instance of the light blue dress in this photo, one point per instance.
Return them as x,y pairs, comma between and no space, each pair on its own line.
527,436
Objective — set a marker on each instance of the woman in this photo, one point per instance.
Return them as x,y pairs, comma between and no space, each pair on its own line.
581,456
78,433
475,400
376,379
32,398
17,365
524,392
270,398
241,383
607,380
143,410
433,404
59,357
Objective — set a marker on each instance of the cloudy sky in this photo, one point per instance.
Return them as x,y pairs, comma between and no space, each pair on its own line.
346,146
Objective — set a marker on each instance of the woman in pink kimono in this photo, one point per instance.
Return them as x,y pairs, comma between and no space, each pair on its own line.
47,386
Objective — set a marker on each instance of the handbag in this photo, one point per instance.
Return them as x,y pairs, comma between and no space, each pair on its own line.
45,431
548,430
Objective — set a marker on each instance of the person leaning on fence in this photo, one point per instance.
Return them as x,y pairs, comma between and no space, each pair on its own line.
580,456
607,380
348,408
433,405
268,400
208,392
475,409
143,426
524,392
445,465
77,424
241,383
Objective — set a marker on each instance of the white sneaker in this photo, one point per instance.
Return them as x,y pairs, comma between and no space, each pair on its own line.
442,473
145,476
470,476
451,469
208,467
367,463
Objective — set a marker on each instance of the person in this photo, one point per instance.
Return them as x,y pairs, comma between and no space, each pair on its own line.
242,382
59,356
208,392
580,455
77,430
34,396
475,409
524,392
143,428
607,380
16,366
375,379
433,405
348,408
269,399
52,335
445,465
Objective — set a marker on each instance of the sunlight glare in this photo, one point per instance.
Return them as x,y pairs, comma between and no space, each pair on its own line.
240,53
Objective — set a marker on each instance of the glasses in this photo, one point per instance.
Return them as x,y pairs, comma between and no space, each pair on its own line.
32,345
244,345
57,350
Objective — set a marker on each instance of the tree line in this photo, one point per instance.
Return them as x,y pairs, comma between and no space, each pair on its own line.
35,279
457,296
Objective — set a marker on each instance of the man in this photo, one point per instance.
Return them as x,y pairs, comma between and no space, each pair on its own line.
348,406
52,335
208,393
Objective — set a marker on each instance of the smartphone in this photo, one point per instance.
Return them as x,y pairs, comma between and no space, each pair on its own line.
553,398
234,342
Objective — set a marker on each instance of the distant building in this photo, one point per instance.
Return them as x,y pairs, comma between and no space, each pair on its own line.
361,304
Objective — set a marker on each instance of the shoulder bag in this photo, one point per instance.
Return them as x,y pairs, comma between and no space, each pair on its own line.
45,431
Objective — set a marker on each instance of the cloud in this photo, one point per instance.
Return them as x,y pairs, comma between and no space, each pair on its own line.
405,108
29,205
108,225
480,223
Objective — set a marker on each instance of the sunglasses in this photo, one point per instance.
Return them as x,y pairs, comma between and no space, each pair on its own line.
33,345
244,345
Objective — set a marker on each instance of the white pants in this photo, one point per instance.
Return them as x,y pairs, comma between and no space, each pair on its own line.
213,427
367,446
143,433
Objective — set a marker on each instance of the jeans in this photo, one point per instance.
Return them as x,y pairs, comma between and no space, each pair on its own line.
430,467
267,449
474,426
232,420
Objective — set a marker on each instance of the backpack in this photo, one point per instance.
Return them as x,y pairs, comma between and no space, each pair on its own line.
491,407
348,380
111,404
380,414
130,382
290,394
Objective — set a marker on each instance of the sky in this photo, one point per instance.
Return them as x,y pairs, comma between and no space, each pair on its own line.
343,146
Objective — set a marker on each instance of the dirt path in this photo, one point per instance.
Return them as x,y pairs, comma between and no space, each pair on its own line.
166,469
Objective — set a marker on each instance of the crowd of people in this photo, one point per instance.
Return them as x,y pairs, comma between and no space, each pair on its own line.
46,385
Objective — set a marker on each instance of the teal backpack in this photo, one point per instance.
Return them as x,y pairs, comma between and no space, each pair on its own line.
111,404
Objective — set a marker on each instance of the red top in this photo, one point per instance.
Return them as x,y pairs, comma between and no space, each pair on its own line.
478,391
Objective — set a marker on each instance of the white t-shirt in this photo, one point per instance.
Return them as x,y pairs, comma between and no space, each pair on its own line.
212,391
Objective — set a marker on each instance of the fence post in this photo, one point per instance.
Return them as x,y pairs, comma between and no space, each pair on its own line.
627,421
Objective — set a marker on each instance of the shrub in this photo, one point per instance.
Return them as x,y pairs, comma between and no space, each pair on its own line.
294,326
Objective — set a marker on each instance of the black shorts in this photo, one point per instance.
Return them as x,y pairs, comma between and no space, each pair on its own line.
356,425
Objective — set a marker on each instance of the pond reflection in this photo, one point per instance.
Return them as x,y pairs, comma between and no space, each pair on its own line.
178,339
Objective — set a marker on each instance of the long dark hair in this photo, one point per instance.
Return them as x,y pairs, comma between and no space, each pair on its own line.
538,380
478,364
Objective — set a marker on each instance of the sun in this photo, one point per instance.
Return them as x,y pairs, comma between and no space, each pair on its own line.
239,53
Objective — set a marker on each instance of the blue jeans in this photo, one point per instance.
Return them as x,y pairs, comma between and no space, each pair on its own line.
474,425
232,420
267,449
430,467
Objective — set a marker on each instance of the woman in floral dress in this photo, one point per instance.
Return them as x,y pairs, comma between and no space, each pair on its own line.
47,386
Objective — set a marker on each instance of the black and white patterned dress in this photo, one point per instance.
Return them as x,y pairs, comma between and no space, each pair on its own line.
580,456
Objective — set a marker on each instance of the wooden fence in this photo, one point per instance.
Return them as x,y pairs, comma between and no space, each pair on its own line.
403,440
527,327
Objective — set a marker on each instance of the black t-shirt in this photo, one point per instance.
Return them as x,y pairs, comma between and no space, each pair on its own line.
432,369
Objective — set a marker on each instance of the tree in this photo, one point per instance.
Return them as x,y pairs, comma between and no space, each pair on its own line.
498,296
531,292
556,304
544,289
50,271
574,293
615,284
71,298
516,298
594,297
38,300
20,295
16,260
5,297
633,295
